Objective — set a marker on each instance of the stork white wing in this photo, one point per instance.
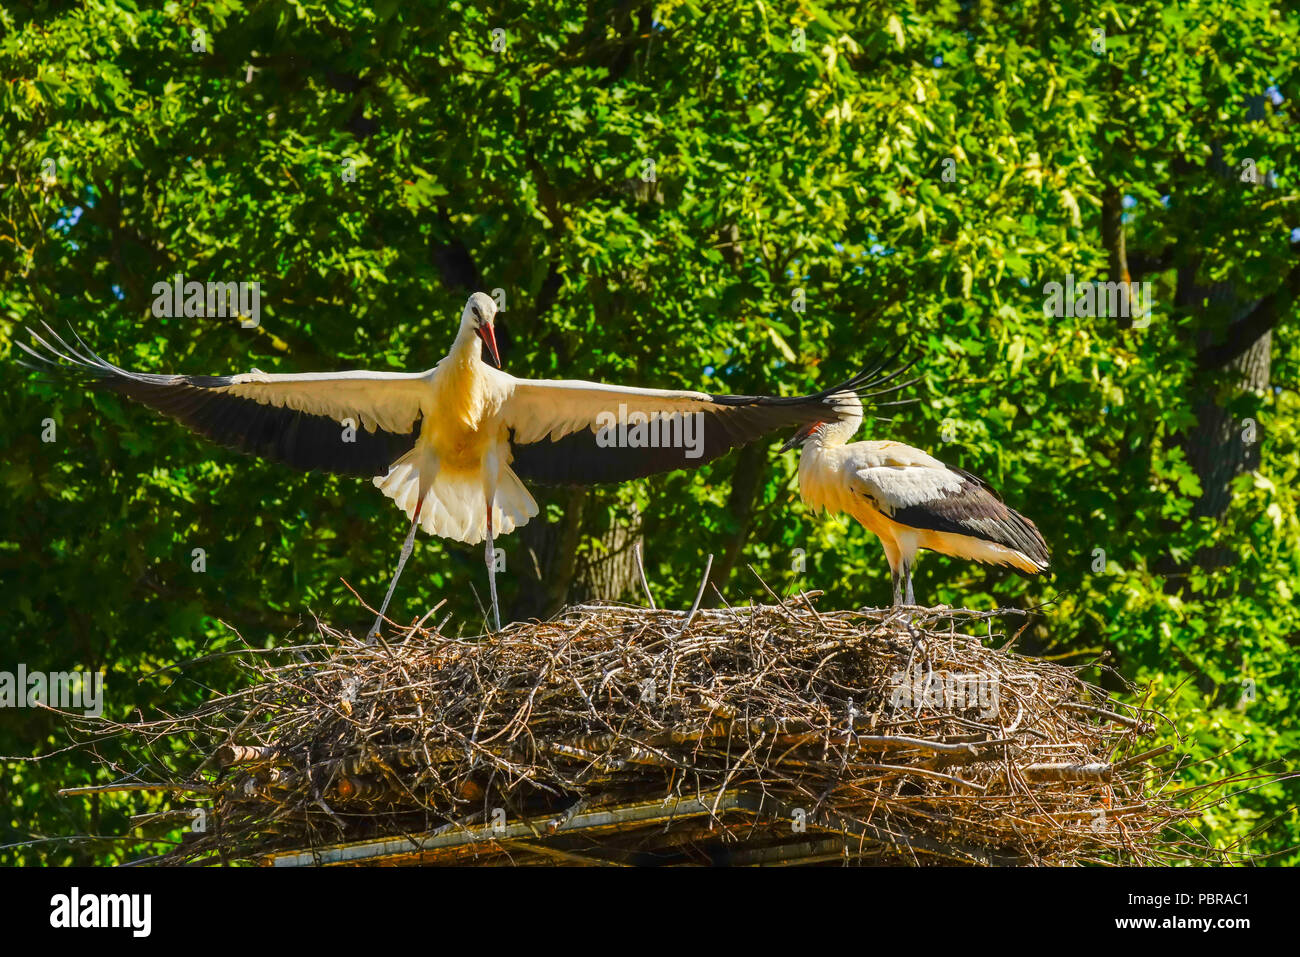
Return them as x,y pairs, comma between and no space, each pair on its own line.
895,476
576,432
554,408
379,401
298,419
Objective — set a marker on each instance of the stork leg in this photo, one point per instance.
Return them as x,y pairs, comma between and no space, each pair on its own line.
894,556
490,556
401,563
909,598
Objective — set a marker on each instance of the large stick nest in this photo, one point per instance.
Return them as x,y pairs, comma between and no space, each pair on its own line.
616,734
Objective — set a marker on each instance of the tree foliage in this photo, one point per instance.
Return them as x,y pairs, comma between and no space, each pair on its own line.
657,189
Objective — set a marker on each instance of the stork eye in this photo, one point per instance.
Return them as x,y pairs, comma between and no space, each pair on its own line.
478,315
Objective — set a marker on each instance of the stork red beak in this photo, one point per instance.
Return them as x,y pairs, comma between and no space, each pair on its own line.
798,438
490,340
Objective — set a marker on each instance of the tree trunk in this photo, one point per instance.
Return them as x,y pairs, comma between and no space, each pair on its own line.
746,481
607,571
552,572
548,561
1218,450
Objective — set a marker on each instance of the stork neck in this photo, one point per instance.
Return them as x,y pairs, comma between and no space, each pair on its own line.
839,431
832,435
467,349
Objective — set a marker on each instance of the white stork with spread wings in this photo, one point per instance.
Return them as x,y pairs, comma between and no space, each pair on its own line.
910,500
450,445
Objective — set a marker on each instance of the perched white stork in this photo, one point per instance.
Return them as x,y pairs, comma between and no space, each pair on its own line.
910,500
450,445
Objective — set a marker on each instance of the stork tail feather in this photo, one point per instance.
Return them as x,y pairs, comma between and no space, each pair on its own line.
453,503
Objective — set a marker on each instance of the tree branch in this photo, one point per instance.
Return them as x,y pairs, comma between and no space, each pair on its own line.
1245,331
746,481
1141,264
1112,237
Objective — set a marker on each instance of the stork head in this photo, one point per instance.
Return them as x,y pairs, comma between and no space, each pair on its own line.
843,417
479,315
803,435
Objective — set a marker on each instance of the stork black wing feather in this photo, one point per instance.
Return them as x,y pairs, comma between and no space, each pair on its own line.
976,510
